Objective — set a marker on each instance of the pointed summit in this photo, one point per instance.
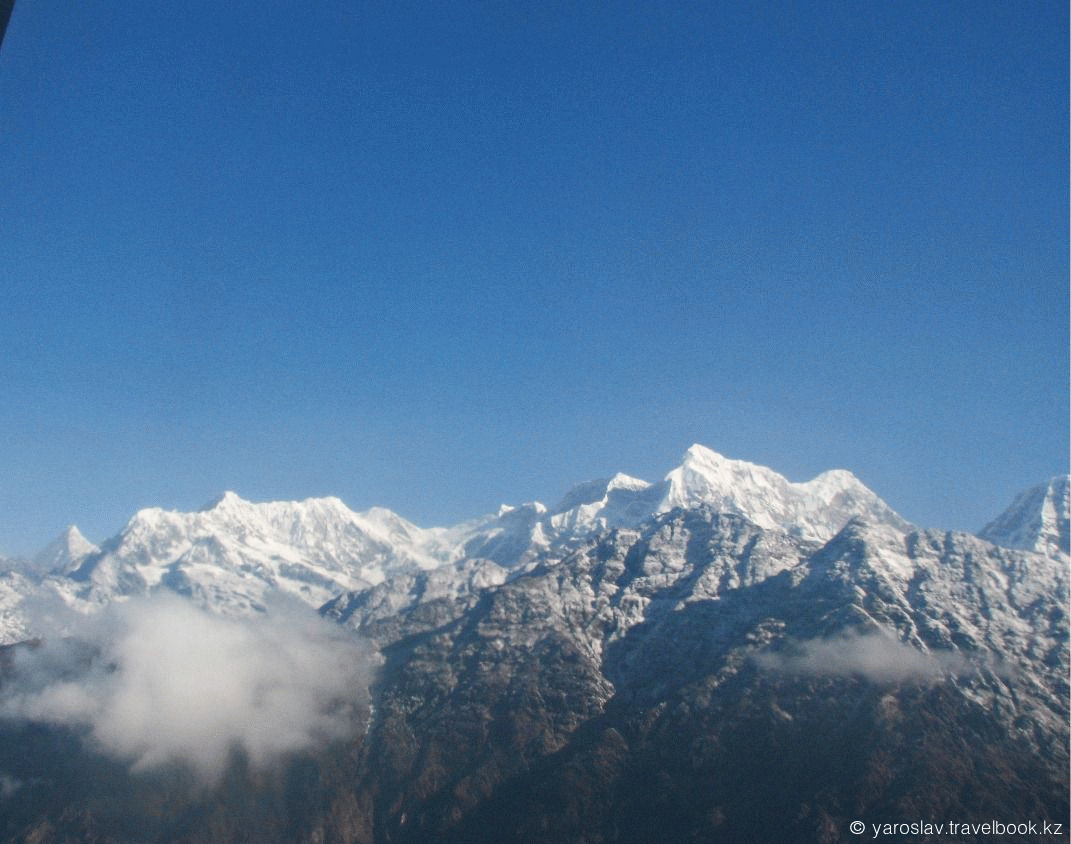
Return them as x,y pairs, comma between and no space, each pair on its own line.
226,500
1037,520
64,553
708,478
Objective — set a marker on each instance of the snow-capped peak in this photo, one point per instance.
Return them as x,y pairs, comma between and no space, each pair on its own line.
1037,520
233,553
623,481
706,477
816,509
831,483
64,553
619,501
224,501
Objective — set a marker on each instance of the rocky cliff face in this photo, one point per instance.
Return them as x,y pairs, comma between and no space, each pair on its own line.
704,679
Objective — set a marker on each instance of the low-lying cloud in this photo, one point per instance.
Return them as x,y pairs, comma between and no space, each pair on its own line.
873,655
160,679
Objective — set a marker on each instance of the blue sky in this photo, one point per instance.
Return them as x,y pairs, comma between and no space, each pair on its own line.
438,256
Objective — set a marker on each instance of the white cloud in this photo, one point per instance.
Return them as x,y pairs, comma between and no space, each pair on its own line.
164,680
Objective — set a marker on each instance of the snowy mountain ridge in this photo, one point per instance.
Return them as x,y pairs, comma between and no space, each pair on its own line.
234,552
232,555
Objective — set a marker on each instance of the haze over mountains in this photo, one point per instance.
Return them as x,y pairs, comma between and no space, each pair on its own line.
722,656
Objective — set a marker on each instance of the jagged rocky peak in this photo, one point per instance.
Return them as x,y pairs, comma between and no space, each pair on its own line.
620,501
1037,520
814,510
708,478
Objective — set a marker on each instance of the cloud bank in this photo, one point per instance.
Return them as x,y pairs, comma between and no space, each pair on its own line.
159,679
873,655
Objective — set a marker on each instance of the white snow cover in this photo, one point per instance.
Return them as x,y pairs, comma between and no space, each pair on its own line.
14,623
621,501
232,554
813,510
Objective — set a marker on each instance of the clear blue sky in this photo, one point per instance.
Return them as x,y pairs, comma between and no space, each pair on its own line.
441,255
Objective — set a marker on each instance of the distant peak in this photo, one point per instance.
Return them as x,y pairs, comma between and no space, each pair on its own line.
829,483
521,511
1059,486
1037,520
227,499
66,550
838,476
623,481
697,453
699,458
72,537
597,491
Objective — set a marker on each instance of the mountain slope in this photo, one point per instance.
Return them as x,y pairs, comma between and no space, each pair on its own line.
705,679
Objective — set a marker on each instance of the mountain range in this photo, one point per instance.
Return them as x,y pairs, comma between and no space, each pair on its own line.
720,656
232,554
